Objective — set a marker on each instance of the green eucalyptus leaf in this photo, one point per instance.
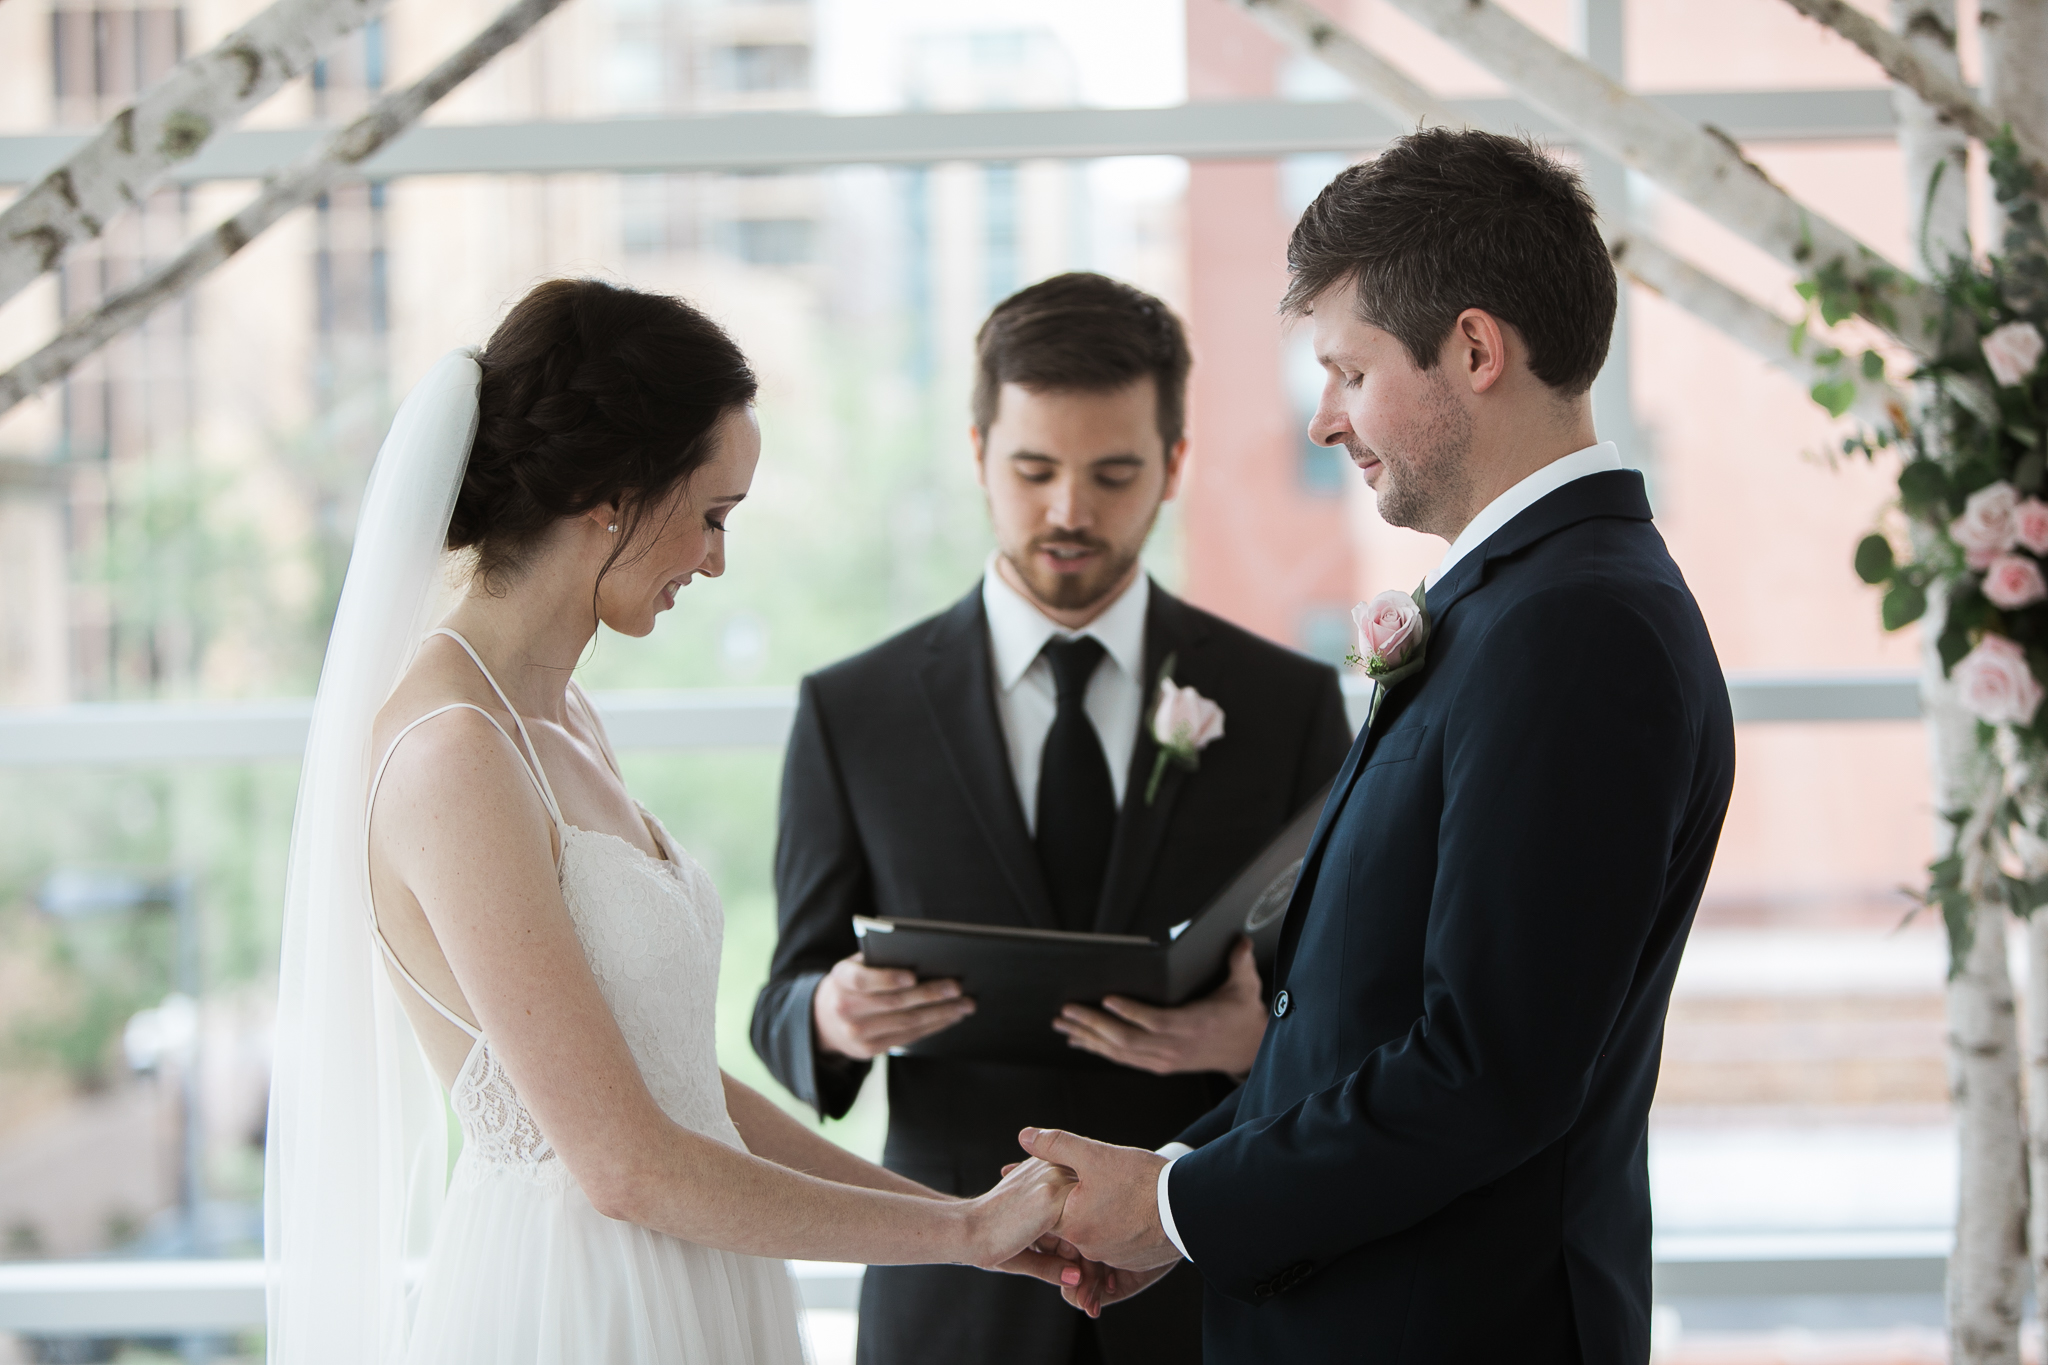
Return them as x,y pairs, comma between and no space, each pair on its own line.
1976,398
1902,606
1873,365
1874,560
1798,337
1922,484
2026,436
2027,474
1836,308
1806,289
1836,395
1830,356
1955,915
1952,646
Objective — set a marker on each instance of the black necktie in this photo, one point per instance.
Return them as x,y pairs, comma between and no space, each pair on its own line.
1076,799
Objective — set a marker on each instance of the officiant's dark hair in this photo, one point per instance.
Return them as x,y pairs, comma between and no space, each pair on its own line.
1085,333
592,393
1444,220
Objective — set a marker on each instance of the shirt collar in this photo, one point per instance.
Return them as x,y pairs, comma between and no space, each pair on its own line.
1594,459
1018,630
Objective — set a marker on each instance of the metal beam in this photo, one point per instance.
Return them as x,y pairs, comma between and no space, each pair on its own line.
1243,130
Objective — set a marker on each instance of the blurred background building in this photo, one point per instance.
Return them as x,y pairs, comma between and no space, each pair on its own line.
175,519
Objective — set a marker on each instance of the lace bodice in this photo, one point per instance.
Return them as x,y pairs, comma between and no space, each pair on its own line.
652,933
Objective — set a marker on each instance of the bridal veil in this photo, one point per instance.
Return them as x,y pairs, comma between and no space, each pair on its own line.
356,1158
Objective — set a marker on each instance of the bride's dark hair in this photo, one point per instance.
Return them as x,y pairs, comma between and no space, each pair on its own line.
592,393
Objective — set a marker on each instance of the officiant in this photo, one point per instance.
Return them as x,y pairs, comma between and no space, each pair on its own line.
993,764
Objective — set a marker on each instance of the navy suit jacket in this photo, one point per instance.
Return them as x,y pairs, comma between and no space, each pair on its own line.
1439,1155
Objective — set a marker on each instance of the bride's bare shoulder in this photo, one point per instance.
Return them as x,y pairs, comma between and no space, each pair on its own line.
441,675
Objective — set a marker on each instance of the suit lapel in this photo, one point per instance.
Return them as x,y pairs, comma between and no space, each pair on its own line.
958,687
1140,828
1616,493
1312,861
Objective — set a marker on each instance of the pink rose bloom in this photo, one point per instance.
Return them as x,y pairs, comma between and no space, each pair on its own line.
2014,581
2030,525
2012,352
1186,721
1386,629
1985,529
1996,684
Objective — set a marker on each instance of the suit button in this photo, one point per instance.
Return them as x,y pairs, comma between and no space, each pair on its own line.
1281,1005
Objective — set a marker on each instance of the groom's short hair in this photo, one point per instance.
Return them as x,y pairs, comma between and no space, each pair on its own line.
1082,333
1446,220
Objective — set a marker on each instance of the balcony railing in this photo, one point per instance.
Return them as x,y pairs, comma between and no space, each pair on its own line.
166,732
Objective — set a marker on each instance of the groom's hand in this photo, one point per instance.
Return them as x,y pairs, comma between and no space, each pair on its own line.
1220,1032
1112,1212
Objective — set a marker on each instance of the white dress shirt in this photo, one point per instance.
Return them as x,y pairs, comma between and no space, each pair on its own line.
1594,459
1027,698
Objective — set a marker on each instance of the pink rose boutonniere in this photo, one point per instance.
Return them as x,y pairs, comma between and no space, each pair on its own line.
1183,724
1393,639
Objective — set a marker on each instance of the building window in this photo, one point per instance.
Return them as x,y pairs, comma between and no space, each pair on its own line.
102,58
753,68
1323,468
769,241
1326,633
999,215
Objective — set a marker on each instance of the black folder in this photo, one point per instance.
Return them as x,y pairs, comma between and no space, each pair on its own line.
1020,977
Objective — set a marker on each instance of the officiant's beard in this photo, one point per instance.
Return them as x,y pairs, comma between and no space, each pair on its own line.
1078,592
1425,466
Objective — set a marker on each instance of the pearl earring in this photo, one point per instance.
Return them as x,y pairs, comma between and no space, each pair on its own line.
613,528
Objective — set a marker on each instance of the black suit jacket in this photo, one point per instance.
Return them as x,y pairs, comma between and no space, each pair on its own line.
1440,1153
898,800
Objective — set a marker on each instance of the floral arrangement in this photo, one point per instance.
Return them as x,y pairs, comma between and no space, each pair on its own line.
1973,490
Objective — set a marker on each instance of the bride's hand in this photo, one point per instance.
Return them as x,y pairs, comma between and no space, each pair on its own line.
1004,1225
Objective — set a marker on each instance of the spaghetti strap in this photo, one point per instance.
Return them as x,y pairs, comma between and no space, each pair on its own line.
370,895
604,741
530,753
529,758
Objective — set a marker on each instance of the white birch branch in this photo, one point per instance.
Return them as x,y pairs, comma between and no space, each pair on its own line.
167,124
1743,320
1935,148
1635,254
1940,86
1986,1271
1301,25
306,179
1986,1276
1699,165
2014,37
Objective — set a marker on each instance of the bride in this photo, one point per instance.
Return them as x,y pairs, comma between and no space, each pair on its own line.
553,951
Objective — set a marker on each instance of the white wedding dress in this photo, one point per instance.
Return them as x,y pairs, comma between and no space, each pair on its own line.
523,1271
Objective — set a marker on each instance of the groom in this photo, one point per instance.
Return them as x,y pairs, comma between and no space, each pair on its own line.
1440,1152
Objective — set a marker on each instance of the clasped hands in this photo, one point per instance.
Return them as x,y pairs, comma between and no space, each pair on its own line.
1080,1214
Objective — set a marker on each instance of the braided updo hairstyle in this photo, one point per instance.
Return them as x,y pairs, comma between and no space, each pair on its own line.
592,393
